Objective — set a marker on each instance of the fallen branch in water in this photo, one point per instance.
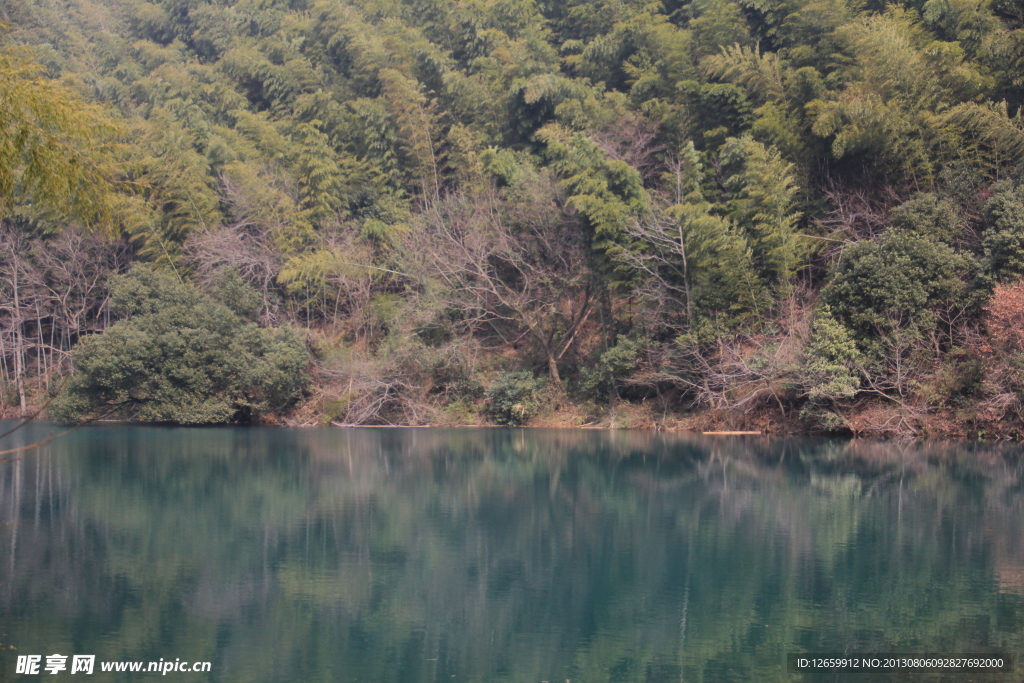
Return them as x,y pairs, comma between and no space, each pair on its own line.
732,433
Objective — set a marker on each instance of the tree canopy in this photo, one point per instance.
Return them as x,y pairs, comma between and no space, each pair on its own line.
700,174
56,150
179,356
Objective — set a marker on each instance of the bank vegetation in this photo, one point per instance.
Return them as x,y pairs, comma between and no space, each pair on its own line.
792,216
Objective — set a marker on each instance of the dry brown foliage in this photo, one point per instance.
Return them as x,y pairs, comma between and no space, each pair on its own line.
1004,316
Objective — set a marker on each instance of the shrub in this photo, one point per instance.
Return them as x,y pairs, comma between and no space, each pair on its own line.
929,216
902,281
831,372
181,357
832,363
601,381
1003,240
514,398
957,380
228,287
1004,316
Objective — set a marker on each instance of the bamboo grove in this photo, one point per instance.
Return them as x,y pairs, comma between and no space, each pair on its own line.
795,215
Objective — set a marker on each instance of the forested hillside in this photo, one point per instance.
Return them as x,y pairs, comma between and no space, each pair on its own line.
794,215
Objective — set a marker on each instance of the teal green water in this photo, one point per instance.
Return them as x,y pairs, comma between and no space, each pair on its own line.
503,555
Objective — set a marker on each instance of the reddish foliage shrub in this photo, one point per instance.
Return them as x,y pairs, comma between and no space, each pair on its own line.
1004,316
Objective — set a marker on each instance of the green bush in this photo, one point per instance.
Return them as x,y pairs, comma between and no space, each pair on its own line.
514,398
1003,240
957,381
180,357
901,281
929,216
600,382
230,289
832,364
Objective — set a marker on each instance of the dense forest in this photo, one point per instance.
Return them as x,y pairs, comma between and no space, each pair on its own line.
788,215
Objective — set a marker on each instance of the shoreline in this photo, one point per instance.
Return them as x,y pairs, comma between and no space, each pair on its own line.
928,427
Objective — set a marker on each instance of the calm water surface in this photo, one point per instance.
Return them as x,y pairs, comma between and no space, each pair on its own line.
503,555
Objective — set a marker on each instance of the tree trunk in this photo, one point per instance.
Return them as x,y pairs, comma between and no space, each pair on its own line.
18,344
553,369
686,276
5,375
40,350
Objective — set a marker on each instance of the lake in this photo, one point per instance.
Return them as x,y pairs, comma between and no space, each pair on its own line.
415,555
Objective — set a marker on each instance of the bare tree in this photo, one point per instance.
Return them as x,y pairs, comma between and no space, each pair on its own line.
52,292
518,269
263,206
633,139
857,214
245,248
664,266
733,371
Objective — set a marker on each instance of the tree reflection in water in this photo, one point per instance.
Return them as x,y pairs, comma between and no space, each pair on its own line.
504,555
